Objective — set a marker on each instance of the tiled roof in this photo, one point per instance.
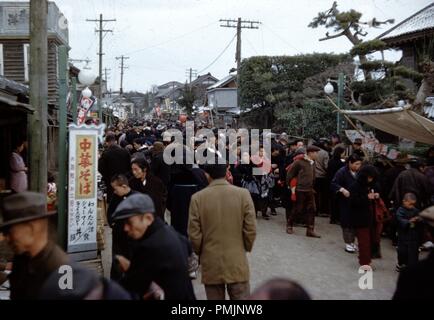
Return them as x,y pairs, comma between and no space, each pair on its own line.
222,82
420,21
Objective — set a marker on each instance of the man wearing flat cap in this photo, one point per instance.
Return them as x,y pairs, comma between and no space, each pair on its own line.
160,254
417,282
358,149
304,170
25,226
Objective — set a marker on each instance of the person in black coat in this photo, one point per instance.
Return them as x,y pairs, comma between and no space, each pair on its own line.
114,160
159,168
184,182
145,182
362,196
340,185
160,255
414,181
120,242
335,163
417,282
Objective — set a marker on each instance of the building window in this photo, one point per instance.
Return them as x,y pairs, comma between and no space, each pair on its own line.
2,71
26,62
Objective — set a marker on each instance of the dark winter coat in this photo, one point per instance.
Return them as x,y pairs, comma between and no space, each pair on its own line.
405,232
417,282
414,181
114,160
155,189
120,243
29,274
161,256
160,169
361,207
343,179
185,181
333,166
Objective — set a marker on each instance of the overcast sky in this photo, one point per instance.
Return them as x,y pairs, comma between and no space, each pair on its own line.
163,38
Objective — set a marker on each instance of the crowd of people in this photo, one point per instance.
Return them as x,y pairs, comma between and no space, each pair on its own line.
167,219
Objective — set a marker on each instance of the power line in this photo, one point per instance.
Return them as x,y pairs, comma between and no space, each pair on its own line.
172,39
218,57
282,39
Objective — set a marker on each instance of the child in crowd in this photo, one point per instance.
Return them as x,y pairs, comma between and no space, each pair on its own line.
408,221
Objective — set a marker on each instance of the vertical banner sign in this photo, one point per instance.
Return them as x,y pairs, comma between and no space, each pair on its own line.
82,191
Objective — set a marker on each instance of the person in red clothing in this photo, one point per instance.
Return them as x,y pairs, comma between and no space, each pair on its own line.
362,206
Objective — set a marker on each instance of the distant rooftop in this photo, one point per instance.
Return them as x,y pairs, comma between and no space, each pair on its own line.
222,82
421,21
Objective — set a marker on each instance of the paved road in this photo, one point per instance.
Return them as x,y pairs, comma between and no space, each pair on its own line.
321,266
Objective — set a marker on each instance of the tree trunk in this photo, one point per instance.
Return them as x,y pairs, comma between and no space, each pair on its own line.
355,41
426,87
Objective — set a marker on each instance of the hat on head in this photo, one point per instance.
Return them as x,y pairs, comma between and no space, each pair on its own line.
284,137
358,141
167,137
23,207
312,149
428,215
402,158
135,204
299,151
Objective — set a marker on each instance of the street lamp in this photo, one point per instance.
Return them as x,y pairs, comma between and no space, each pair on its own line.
329,89
86,77
86,93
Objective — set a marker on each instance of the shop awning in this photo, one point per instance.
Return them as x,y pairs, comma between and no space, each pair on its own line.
399,121
15,105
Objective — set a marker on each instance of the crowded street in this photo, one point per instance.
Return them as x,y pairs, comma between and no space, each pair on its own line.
326,271
303,169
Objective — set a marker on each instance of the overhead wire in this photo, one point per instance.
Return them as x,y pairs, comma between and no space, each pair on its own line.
218,57
172,39
281,38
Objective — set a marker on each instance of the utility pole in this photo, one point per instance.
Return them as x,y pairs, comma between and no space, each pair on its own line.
62,211
38,95
106,74
239,24
101,36
341,84
190,73
122,67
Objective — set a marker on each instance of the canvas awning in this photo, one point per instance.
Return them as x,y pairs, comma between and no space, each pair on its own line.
399,121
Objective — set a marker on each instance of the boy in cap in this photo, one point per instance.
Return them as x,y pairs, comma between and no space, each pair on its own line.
26,229
408,220
304,171
160,254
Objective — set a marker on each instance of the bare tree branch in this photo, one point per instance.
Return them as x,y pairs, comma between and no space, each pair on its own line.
328,37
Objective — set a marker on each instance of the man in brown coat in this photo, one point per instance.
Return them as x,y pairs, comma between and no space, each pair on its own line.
25,226
304,171
222,228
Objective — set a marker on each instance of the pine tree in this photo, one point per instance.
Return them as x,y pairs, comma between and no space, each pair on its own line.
383,82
